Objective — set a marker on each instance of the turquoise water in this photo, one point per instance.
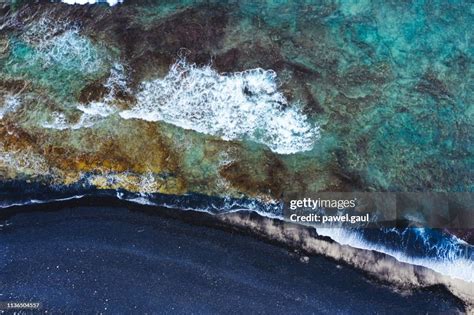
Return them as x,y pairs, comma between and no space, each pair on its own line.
242,105
389,83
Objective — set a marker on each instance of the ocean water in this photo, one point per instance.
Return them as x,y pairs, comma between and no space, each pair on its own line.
382,91
229,107
235,106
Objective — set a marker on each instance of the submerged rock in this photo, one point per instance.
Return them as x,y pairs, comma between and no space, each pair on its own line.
319,97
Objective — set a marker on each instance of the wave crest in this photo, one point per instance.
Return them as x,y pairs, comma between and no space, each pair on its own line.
232,106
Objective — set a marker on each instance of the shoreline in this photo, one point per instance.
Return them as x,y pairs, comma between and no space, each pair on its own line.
378,267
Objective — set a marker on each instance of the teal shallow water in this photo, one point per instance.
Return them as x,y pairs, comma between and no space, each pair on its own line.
390,84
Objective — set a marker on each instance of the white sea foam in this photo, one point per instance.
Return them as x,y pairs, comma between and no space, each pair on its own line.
225,206
234,106
72,51
5,205
59,121
110,2
383,266
60,43
10,104
455,267
26,162
451,265
94,111
116,81
40,32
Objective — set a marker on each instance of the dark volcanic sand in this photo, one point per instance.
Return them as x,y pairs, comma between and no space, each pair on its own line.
106,259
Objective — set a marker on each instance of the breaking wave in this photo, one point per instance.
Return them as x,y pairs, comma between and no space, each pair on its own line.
403,275
60,43
430,248
10,104
6,205
109,2
94,111
444,253
243,105
232,106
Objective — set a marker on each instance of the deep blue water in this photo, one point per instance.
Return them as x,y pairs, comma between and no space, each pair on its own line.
112,260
